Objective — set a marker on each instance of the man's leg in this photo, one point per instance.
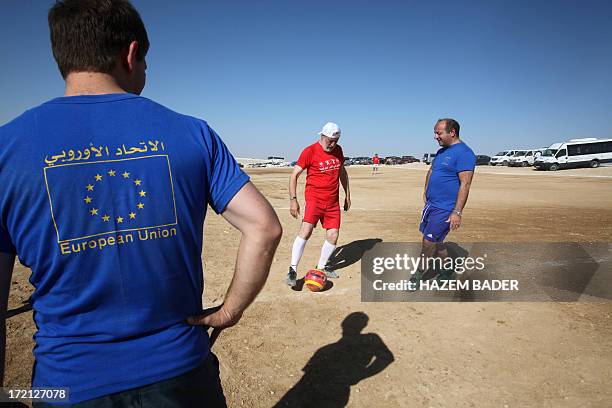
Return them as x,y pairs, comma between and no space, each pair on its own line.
428,253
428,248
298,249
445,272
434,227
329,246
331,223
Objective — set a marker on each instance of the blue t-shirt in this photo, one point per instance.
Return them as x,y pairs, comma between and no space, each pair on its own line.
444,183
104,198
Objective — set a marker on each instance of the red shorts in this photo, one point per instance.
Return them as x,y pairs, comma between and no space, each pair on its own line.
328,214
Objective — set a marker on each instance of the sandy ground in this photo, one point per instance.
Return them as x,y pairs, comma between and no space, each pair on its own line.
413,354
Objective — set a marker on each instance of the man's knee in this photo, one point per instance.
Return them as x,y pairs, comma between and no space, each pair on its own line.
332,236
429,247
305,230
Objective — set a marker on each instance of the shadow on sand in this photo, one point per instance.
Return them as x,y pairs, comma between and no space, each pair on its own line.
350,253
332,370
18,310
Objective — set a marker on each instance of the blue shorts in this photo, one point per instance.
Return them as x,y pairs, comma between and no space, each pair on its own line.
433,223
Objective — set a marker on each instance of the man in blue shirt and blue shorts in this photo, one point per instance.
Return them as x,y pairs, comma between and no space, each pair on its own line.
103,194
447,187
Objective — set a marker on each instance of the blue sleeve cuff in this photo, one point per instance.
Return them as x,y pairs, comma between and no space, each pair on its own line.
229,192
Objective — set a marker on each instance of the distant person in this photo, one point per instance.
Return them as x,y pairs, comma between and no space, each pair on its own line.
375,161
104,195
447,187
324,162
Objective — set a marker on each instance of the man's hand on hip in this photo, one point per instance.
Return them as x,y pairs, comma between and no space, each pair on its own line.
218,318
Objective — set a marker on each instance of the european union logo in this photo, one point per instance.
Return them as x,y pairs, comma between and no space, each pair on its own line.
96,198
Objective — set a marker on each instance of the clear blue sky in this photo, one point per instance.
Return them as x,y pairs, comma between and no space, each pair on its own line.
268,74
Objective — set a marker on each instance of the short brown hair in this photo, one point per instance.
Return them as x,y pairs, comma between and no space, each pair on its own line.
450,124
88,35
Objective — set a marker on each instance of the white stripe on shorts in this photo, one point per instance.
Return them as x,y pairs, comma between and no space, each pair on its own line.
424,212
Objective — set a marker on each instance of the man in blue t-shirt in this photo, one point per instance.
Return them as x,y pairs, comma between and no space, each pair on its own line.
447,187
103,195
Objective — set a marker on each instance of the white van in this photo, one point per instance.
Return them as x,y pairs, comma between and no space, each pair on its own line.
276,159
588,152
524,158
502,158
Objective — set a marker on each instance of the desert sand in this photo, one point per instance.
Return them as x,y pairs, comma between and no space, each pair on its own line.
521,354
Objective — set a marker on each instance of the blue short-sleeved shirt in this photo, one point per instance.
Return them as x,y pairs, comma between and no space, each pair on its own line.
104,198
444,183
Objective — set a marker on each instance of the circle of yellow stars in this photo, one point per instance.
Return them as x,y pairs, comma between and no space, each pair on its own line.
112,173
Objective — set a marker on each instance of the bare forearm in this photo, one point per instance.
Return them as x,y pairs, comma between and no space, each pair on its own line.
462,196
344,180
293,186
345,184
255,255
427,180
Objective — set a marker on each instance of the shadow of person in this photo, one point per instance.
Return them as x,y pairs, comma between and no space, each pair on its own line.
21,309
332,370
454,251
350,253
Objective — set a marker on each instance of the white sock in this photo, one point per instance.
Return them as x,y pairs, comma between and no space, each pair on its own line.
326,252
298,249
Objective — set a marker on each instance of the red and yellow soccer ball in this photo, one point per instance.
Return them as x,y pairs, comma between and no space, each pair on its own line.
315,280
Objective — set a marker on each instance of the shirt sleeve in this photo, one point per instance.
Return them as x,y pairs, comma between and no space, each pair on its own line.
225,177
6,245
305,158
466,161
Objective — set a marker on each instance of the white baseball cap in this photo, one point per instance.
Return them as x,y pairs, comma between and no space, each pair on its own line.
330,130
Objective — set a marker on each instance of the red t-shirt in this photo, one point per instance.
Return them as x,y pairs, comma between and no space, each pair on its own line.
323,172
375,159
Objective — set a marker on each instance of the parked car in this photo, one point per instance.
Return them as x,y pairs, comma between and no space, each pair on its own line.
362,160
502,158
276,159
392,160
410,159
428,158
524,158
482,159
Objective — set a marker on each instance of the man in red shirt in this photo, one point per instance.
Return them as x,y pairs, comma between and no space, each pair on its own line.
375,161
324,162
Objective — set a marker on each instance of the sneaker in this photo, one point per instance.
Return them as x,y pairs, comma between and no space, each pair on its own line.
292,277
415,280
329,273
